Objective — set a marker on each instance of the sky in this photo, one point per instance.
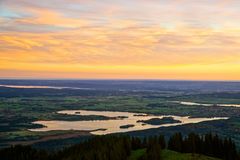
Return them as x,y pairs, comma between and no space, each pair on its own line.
120,39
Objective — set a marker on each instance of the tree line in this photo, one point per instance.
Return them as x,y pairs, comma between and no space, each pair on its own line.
209,144
120,147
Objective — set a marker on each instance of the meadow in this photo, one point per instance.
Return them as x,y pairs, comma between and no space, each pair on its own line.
19,107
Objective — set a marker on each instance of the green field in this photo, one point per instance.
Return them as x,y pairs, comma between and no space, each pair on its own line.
18,111
171,155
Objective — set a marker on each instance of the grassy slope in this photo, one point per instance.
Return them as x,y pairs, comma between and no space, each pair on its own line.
171,155
136,154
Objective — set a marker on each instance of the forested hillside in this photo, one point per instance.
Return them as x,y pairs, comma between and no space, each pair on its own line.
122,148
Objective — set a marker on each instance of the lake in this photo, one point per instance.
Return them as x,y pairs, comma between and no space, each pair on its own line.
42,87
101,127
206,104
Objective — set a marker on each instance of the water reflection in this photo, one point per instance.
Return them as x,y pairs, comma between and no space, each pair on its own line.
205,104
100,127
43,87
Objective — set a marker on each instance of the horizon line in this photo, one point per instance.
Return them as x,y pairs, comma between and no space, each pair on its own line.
119,79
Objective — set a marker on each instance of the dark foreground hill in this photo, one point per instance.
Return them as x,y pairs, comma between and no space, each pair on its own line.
206,147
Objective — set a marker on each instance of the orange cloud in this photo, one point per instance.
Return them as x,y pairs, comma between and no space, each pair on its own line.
48,17
113,45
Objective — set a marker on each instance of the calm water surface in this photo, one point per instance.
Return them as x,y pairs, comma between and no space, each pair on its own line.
43,87
208,105
113,125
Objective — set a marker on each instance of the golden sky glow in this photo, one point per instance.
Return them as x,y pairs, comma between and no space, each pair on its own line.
118,39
